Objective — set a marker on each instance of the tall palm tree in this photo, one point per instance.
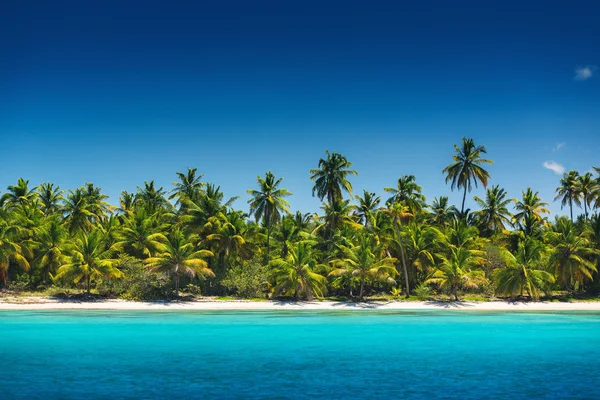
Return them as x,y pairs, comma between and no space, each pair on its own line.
180,256
466,170
365,260
586,189
367,207
19,194
572,256
494,214
189,186
50,196
399,212
298,273
331,178
524,271
268,202
568,192
408,193
88,260
457,272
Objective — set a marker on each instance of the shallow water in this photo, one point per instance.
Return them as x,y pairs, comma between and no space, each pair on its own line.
299,355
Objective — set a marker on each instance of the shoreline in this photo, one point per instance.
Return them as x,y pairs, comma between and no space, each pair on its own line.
44,303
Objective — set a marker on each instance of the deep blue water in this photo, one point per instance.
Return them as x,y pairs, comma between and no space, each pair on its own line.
298,355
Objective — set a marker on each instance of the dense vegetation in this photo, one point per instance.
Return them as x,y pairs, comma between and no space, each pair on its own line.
156,242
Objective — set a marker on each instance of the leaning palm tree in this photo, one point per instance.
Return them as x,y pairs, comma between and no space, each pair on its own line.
494,214
331,178
573,258
466,170
298,273
365,260
268,202
458,272
88,259
568,192
587,187
524,271
180,256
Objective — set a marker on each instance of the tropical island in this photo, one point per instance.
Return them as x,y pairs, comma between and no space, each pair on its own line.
189,241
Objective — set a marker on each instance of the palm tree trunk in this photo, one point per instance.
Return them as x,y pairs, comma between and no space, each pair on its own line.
585,206
88,285
404,268
176,285
571,208
362,288
462,208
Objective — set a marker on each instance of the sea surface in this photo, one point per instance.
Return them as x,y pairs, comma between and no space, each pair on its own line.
366,354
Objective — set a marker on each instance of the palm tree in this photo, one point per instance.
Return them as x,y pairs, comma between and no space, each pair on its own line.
11,250
331,178
51,240
367,207
567,192
466,170
457,272
78,217
364,260
268,203
19,194
399,212
572,257
189,186
151,198
126,203
88,260
442,211
180,256
586,189
95,202
297,273
50,196
141,235
524,271
408,193
494,213
228,239
530,210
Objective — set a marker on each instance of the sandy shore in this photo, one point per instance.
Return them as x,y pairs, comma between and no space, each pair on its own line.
40,303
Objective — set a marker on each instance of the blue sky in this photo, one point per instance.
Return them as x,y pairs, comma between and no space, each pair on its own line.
132,91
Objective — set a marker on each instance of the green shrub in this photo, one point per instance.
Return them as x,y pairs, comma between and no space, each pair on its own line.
423,292
247,279
139,283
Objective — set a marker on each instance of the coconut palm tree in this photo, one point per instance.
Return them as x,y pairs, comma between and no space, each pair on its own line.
530,208
189,186
399,212
298,273
331,178
50,196
181,257
18,195
524,271
88,259
365,260
268,202
78,217
441,211
466,170
126,203
51,239
458,272
572,256
152,198
141,235
11,250
568,192
494,214
586,189
228,239
408,193
367,207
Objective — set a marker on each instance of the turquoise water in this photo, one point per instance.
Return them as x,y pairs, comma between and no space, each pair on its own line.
298,355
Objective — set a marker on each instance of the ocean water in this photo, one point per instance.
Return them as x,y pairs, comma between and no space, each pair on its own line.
299,355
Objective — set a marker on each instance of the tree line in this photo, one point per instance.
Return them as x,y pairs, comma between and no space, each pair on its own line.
157,242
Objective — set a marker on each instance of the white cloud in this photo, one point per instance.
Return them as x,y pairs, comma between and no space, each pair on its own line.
584,73
559,146
554,167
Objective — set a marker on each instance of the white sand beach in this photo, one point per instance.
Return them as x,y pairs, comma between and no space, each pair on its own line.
44,303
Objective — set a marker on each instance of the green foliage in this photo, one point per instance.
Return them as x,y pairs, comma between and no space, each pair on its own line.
247,279
423,292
